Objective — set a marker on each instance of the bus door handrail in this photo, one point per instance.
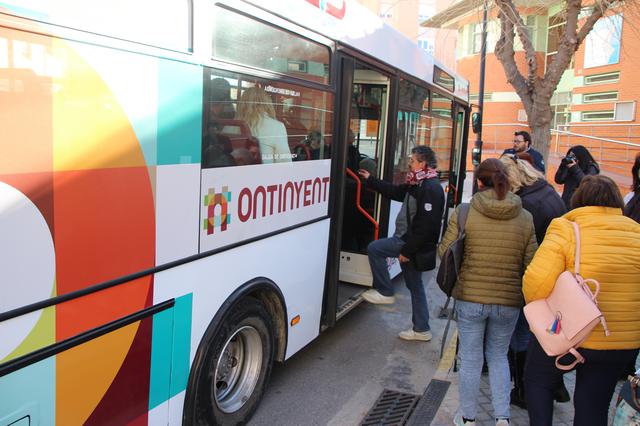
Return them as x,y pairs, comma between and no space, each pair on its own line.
358,206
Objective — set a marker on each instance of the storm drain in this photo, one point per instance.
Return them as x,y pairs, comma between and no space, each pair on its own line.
391,408
427,408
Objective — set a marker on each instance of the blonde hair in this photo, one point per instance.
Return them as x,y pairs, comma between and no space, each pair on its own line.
254,103
519,172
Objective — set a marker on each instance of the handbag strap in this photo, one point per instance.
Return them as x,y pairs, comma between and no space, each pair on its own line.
462,218
582,282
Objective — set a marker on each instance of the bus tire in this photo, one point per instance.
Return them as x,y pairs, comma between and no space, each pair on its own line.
236,367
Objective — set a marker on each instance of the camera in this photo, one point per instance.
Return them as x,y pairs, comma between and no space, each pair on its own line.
570,158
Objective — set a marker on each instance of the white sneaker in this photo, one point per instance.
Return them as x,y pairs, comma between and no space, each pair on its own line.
502,422
457,420
410,334
373,296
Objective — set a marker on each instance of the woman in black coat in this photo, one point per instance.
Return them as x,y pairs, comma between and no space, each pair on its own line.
543,202
577,164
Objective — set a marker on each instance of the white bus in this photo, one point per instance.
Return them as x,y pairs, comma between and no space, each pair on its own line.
177,210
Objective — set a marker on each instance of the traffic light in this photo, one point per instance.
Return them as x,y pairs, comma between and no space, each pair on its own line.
476,122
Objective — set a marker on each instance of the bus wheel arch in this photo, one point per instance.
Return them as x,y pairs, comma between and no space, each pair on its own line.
235,356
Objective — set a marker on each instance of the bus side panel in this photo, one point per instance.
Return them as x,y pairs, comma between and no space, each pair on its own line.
73,151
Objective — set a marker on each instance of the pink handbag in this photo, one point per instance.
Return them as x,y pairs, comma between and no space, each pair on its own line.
564,320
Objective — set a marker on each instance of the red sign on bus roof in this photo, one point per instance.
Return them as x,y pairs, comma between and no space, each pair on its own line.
330,7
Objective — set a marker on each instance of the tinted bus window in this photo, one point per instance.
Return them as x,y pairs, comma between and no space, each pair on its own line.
157,23
414,126
240,39
255,121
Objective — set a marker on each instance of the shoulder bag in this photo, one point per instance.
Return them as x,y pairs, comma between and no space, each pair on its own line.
564,320
452,258
628,405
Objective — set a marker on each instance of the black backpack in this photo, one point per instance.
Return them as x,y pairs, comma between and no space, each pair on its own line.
452,258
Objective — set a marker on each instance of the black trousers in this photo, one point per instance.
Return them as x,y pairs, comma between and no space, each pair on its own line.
595,383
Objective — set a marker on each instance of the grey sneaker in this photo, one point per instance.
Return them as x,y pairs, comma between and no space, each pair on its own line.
423,336
502,422
372,296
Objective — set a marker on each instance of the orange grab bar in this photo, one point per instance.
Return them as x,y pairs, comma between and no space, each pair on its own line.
360,209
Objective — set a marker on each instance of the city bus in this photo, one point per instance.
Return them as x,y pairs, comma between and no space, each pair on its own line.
178,203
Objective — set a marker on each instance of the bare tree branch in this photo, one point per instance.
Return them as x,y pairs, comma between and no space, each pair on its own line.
506,55
599,9
508,9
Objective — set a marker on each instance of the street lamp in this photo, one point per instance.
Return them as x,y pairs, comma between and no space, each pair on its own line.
476,152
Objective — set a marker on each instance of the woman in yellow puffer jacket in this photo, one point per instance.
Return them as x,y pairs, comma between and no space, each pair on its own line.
610,254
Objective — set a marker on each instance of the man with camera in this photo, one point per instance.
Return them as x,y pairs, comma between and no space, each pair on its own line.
522,144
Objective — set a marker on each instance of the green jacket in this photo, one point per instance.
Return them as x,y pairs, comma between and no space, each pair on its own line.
500,242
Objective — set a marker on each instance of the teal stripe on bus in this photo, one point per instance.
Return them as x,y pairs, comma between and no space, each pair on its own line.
179,113
171,347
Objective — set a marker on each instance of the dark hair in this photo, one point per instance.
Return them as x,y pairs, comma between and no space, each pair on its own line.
584,157
525,156
492,174
424,153
597,190
635,175
525,135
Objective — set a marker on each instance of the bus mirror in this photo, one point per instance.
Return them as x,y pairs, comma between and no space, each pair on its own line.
476,122
476,156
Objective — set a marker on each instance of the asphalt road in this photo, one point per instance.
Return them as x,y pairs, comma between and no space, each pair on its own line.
338,377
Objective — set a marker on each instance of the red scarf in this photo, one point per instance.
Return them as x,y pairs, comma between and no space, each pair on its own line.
414,178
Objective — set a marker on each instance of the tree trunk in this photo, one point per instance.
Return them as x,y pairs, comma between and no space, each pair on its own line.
541,137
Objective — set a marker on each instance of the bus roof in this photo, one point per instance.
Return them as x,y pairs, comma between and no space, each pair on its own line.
353,25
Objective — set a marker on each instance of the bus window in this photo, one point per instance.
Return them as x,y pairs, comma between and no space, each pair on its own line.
240,39
442,131
414,126
255,121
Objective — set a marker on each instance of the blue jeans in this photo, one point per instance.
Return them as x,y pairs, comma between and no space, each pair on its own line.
521,335
475,320
379,251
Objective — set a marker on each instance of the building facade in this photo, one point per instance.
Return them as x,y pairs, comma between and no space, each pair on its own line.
406,16
595,103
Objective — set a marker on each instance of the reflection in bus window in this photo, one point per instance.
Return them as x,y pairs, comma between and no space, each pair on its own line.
256,109
243,40
254,121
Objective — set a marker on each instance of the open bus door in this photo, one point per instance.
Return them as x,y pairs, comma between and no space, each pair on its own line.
362,208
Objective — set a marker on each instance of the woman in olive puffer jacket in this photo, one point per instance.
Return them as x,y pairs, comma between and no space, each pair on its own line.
500,242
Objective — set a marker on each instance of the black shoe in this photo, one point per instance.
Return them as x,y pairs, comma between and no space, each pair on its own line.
517,398
561,394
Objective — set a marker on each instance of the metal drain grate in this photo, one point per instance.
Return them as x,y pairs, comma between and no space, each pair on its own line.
427,408
391,408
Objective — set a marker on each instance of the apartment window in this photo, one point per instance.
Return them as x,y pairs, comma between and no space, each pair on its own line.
530,23
604,78
475,97
598,115
476,38
590,98
557,26
625,111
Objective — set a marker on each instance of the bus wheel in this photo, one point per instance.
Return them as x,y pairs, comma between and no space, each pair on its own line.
237,366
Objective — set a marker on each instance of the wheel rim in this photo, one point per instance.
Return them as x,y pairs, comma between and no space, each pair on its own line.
238,369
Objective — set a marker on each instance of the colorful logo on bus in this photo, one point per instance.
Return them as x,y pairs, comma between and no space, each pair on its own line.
220,201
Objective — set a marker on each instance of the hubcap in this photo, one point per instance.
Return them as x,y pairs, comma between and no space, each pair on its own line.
238,369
